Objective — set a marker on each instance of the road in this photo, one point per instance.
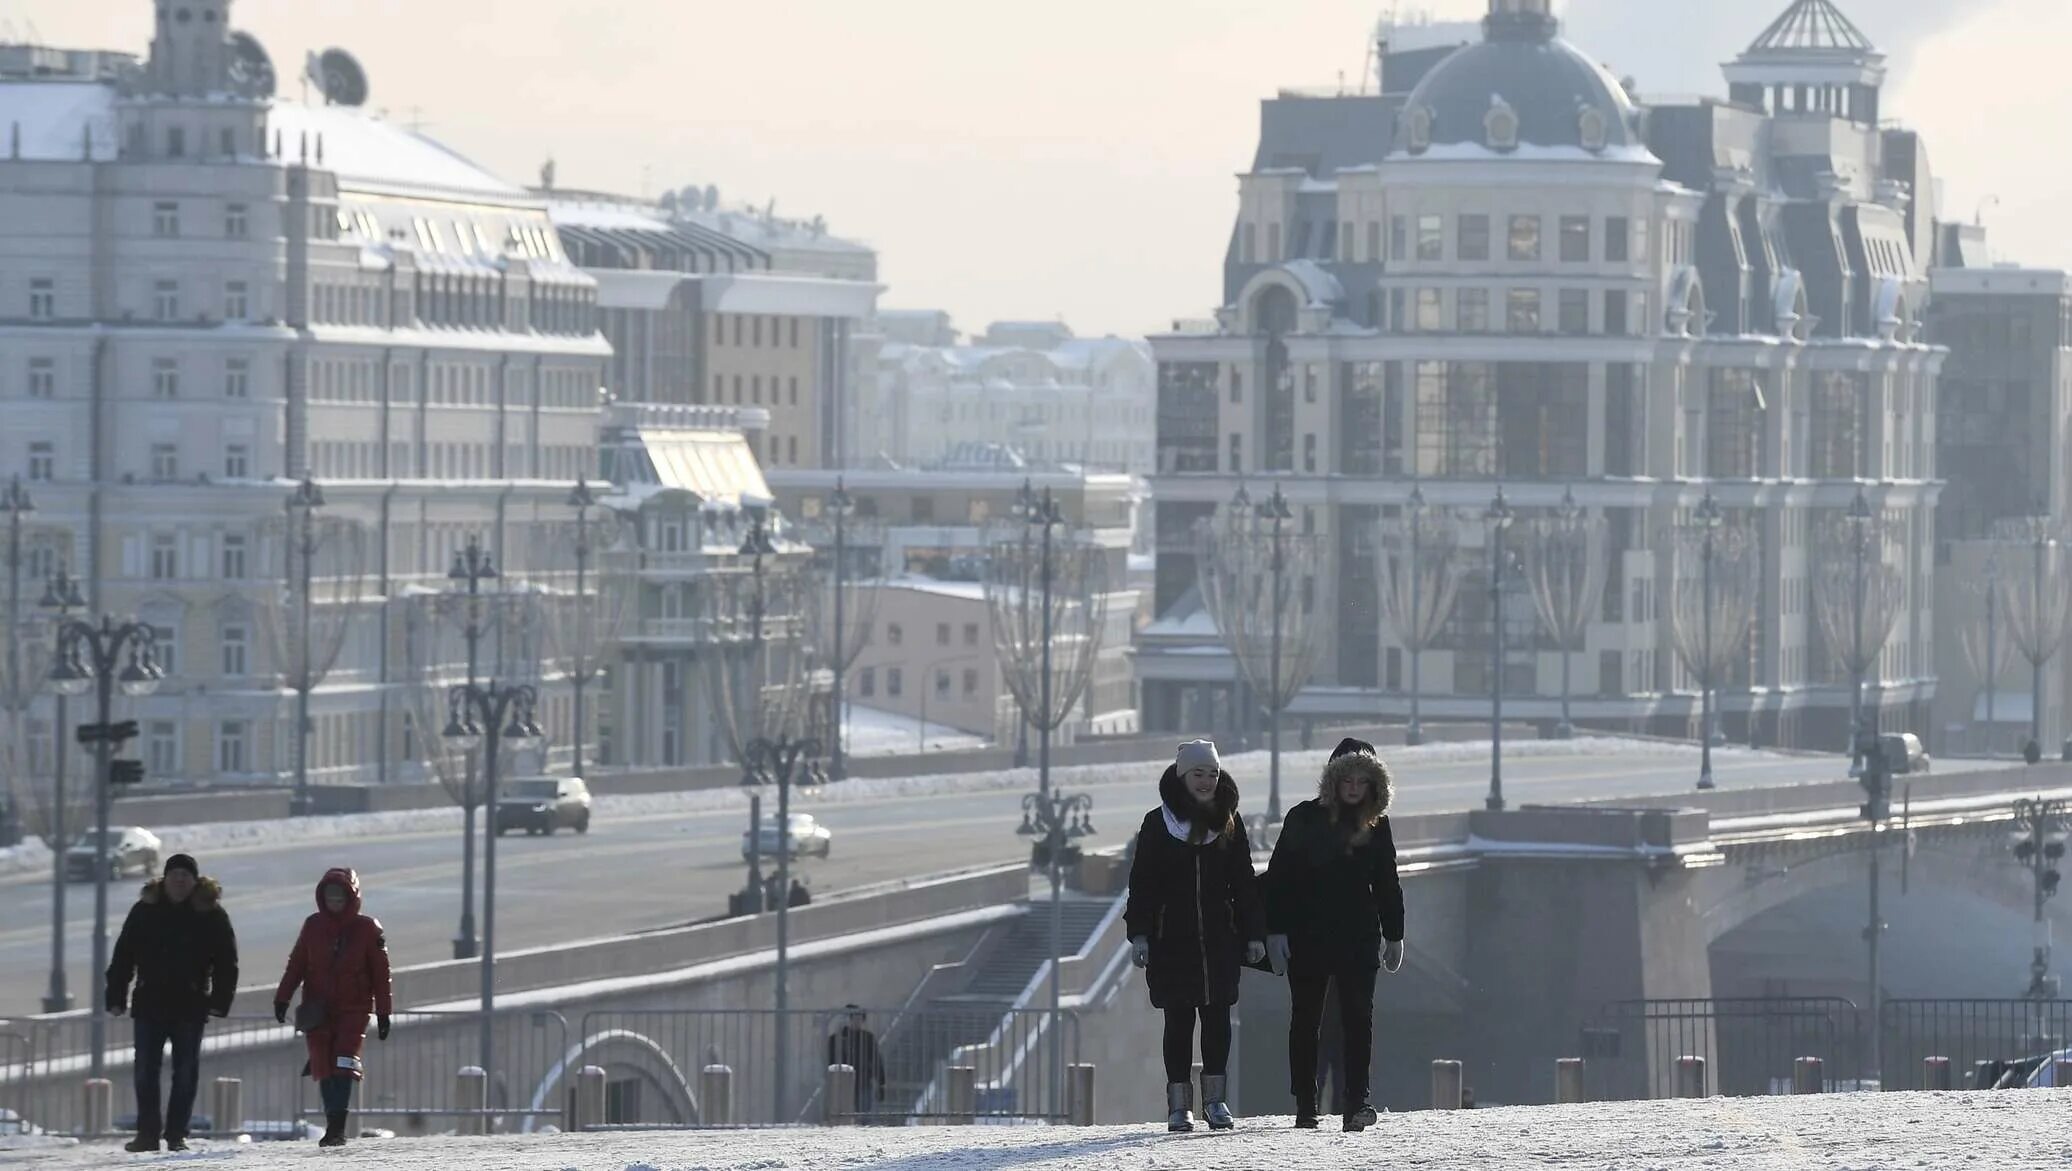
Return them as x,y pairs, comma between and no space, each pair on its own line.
649,870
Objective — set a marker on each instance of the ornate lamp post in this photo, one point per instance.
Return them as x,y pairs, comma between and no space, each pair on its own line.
1499,518
1045,513
1708,519
490,717
1055,820
777,758
472,567
308,497
15,700
90,656
841,504
1414,510
1857,526
582,499
60,598
2039,845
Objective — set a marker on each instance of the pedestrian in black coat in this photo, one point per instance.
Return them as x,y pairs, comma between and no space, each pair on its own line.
1194,916
1335,915
178,947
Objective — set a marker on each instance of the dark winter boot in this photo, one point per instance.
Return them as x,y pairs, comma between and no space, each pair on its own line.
176,1142
1179,1102
1305,1114
334,1129
1214,1089
1360,1119
141,1143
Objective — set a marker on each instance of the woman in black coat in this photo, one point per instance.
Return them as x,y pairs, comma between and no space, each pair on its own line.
1194,916
1335,913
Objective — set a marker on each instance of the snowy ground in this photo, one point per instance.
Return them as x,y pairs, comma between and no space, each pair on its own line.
1861,1132
875,732
216,836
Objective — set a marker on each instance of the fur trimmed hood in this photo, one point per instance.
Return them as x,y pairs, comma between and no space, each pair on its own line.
1172,791
207,896
1381,791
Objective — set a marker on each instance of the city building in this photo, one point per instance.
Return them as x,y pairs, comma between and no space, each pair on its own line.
208,293
1503,270
1029,387
930,656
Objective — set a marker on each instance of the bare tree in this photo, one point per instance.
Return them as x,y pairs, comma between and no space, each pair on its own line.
839,633
766,685
1258,581
1046,597
582,614
1565,565
306,619
1857,596
1712,608
1417,566
2037,601
1985,641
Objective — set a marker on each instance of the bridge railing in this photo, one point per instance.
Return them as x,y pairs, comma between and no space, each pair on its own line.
1970,1033
1749,1044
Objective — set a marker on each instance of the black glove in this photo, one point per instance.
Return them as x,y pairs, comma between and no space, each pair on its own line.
381,1027
219,1012
280,1011
116,1006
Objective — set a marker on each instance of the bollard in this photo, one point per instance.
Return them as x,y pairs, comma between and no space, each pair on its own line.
839,1102
1690,1077
471,1099
2061,1072
1806,1076
227,1107
716,1095
589,1109
1446,1085
1935,1073
1568,1081
1079,1091
962,1106
98,1115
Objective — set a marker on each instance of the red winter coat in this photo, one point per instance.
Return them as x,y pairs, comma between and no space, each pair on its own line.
340,960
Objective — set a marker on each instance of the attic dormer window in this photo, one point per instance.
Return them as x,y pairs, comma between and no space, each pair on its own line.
1593,128
1501,124
1418,127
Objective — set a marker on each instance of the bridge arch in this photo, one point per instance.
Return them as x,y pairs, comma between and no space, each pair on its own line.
624,1055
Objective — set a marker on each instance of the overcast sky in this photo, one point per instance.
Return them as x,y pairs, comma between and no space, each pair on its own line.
1070,159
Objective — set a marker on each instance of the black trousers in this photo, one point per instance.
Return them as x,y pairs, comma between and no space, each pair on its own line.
1307,986
152,1036
1179,1041
336,1093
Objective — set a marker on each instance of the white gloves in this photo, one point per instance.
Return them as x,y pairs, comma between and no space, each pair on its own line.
1392,955
1140,951
1277,953
1254,951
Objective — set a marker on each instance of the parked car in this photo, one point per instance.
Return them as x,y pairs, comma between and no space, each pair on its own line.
807,837
130,849
541,805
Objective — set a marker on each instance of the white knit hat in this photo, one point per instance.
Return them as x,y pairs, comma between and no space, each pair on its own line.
1198,754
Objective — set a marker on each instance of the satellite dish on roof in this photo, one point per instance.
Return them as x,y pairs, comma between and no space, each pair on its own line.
339,77
251,70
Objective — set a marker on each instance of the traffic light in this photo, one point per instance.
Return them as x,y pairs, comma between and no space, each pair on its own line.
125,772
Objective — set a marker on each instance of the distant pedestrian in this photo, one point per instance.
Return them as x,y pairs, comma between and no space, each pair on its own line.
799,895
1335,909
855,1046
1194,917
341,964
178,945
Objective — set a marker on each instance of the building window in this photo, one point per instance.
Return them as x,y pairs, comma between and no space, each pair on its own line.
1399,238
235,660
792,390
1617,232
165,300
234,556
868,683
165,556
1734,425
895,682
894,634
43,299
1248,244
1615,302
971,634
165,378
1431,237
1237,385
237,301
43,378
1575,239
1472,308
165,219
1429,319
1522,311
230,746
165,461
43,460
1373,241
1474,238
237,462
794,331
942,684
791,450
970,682
237,378
1525,237
1309,452
162,746
1575,311
1837,436
236,221
176,142
942,634
1237,452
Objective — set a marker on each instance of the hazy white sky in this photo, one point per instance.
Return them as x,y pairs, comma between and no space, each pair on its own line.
1070,159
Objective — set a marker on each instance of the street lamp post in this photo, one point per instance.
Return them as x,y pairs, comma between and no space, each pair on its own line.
471,565
582,499
2039,544
490,717
1709,520
1046,513
1414,509
308,497
842,504
1275,509
1876,779
1859,529
91,656
1055,820
2039,845
60,597
1992,591
17,503
1025,508
777,758
1499,518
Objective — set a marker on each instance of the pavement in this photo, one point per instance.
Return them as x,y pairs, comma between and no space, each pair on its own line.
637,870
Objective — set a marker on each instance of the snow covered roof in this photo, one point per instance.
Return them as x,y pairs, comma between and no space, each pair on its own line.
968,591
715,466
53,118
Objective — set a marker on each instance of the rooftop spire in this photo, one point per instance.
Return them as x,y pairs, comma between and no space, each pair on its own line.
1520,20
1810,25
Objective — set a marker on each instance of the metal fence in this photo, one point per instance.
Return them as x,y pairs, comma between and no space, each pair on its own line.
1998,1034
1748,1044
407,1083
716,1068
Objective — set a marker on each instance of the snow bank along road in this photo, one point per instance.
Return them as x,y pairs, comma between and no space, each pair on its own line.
671,858
1862,1132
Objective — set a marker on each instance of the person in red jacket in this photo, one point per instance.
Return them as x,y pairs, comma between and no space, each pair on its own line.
340,961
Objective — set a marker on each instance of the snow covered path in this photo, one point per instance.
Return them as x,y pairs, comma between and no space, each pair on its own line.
1860,1132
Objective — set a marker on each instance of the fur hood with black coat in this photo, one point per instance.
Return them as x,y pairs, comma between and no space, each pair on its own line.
182,956
1332,887
1193,895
